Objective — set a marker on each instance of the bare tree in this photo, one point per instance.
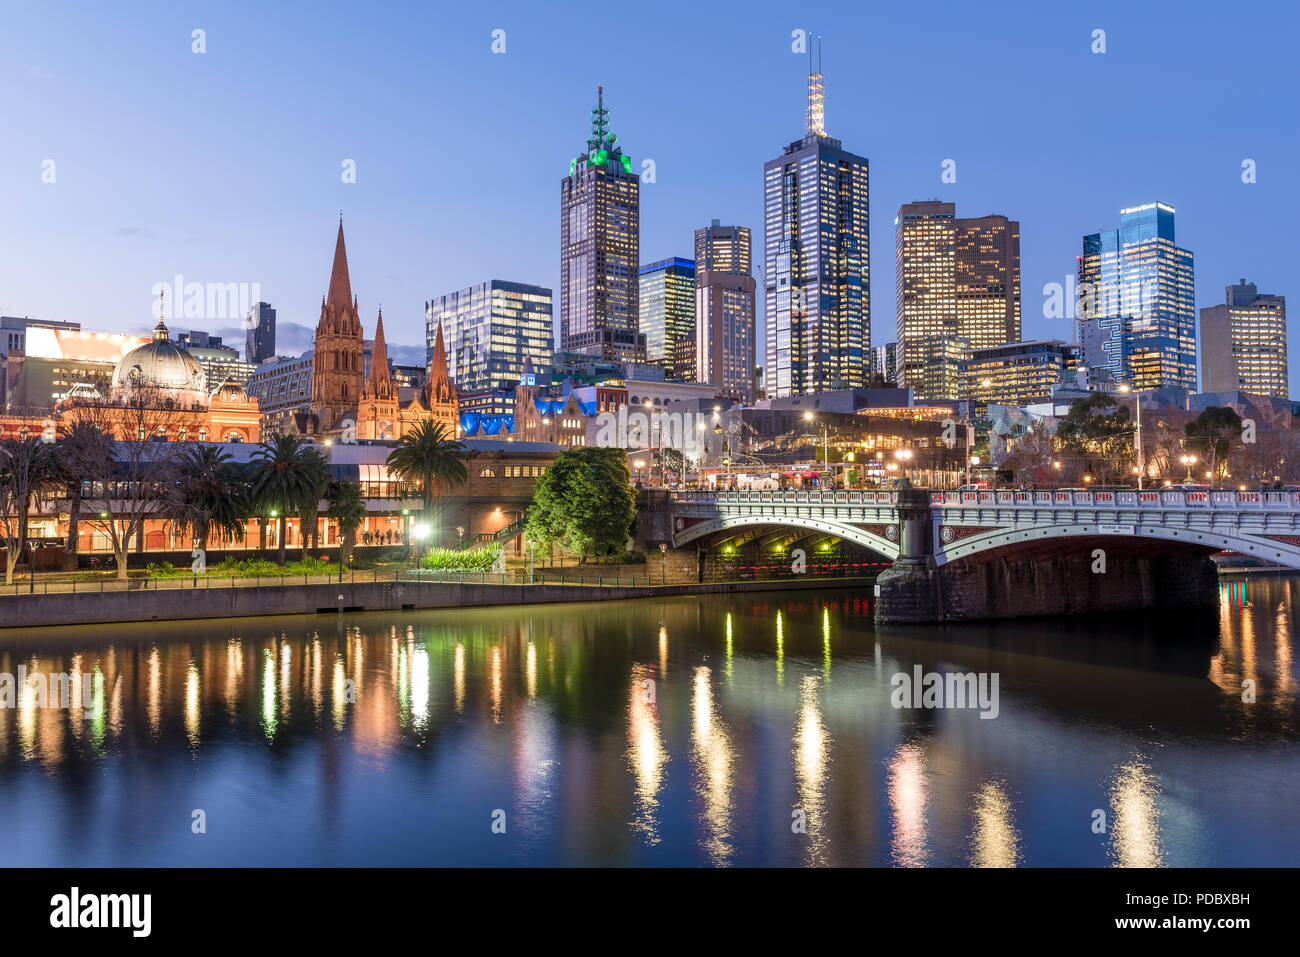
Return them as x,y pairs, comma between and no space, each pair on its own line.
133,484
26,467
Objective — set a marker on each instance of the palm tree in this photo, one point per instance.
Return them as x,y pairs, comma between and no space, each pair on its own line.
429,455
210,496
288,475
347,506
81,452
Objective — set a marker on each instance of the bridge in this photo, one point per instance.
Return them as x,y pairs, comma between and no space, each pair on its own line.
1001,553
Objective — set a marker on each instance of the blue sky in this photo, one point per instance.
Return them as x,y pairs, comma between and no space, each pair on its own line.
225,166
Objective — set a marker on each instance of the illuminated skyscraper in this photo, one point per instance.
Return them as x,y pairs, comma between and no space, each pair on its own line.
1136,307
958,280
667,291
600,230
490,330
816,263
1243,343
724,310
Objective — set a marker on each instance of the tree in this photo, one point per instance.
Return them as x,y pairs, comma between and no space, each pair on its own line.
1031,456
347,506
288,476
429,455
585,502
26,467
81,452
1211,434
1098,429
210,495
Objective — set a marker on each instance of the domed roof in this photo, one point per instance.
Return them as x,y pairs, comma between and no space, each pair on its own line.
231,391
163,365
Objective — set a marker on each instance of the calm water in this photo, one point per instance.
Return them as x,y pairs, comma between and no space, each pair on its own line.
689,731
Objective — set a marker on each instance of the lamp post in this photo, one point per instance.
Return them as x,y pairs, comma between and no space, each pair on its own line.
1188,461
663,563
826,440
1138,400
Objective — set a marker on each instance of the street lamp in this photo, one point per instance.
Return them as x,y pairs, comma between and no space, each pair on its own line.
826,440
905,457
663,568
1138,400
1188,461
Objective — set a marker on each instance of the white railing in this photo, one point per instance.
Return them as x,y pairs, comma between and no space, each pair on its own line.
1155,498
810,497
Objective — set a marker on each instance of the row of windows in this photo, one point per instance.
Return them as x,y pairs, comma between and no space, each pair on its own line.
514,471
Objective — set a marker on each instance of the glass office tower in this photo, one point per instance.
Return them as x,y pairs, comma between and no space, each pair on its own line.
489,330
1136,302
667,291
816,275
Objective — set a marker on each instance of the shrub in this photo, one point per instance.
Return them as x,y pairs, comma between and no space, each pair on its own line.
469,560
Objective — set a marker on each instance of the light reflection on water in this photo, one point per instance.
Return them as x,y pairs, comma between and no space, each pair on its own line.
728,730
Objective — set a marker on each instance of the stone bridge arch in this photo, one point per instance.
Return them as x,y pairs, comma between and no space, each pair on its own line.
869,538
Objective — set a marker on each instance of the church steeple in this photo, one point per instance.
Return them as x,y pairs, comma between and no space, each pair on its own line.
340,290
379,384
440,385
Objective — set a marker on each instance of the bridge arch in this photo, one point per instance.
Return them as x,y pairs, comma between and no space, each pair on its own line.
851,533
1010,540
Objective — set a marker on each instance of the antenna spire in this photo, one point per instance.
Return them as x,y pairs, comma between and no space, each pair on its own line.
816,94
599,125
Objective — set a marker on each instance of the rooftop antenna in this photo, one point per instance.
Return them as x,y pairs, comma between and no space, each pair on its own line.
816,94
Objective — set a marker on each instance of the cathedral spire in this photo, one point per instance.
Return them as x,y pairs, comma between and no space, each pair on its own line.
340,291
379,384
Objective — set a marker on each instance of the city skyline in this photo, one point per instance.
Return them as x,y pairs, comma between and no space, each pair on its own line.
91,254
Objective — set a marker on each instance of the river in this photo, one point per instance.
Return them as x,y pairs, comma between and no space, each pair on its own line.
753,729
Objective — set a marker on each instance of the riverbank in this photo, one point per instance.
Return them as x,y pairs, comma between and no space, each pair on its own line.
179,604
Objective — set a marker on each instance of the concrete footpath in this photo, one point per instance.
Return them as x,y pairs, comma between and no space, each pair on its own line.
61,609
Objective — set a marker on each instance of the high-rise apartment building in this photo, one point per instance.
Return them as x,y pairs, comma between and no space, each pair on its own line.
259,343
491,329
724,311
957,281
1136,302
600,251
1243,343
884,362
816,262
667,291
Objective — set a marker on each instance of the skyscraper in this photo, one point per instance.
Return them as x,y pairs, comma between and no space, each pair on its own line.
600,236
1243,343
260,341
338,369
724,310
491,330
667,291
1136,308
816,272
957,287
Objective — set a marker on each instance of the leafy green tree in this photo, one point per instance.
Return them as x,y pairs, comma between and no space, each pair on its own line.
1100,431
347,506
210,495
289,476
428,454
584,502
1212,434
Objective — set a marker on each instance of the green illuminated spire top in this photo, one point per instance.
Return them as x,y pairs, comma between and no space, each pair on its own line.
601,149
599,122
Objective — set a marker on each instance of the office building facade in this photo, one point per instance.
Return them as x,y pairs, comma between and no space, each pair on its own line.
1136,302
957,280
491,329
600,249
1243,343
667,312
725,304
1016,373
259,342
816,262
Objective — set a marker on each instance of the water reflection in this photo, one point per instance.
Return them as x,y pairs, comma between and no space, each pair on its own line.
391,739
